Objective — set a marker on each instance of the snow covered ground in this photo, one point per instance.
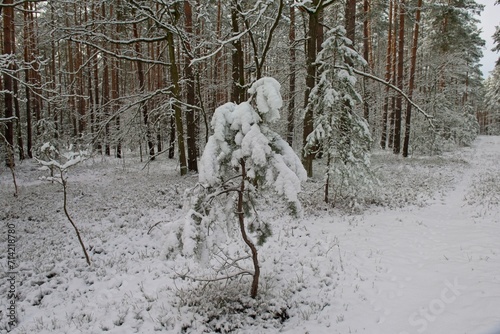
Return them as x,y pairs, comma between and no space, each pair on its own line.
423,258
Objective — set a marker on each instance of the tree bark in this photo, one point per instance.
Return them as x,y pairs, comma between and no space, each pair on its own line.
27,75
311,52
350,20
388,76
413,65
174,73
399,101
366,55
291,99
394,71
115,86
238,74
241,219
8,50
142,87
191,119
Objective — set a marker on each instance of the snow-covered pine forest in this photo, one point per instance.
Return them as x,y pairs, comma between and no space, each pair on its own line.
230,166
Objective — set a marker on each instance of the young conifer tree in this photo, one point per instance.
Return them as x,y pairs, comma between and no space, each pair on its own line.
339,132
243,161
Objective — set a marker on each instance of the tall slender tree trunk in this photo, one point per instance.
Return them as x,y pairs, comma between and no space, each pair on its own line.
392,115
174,76
388,76
171,145
350,20
15,87
238,74
191,119
106,95
366,54
27,75
142,87
115,86
8,50
399,100
293,58
218,72
413,65
17,112
311,52
95,88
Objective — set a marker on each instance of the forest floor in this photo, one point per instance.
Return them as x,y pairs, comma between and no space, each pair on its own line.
424,258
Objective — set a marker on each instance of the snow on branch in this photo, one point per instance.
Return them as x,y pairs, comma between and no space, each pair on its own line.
382,81
8,119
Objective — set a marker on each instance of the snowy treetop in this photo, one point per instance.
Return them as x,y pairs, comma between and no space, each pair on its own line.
268,98
241,132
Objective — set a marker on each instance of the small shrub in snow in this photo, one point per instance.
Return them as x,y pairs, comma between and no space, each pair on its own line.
242,160
226,311
51,159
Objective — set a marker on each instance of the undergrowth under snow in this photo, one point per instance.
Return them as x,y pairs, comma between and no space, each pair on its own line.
419,256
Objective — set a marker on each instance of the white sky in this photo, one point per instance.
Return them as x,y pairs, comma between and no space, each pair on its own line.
490,18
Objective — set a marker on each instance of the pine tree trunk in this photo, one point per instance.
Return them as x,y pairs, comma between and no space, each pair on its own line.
191,119
27,75
394,71
291,100
105,94
8,50
388,75
366,54
17,111
311,52
238,75
174,73
71,76
399,100
350,20
171,146
142,87
413,65
115,85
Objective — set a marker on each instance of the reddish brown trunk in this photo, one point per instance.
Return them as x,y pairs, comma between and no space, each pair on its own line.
394,63
413,65
388,67
192,124
399,100
293,58
350,20
311,49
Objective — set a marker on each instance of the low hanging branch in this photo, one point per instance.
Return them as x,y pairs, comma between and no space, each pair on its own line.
428,117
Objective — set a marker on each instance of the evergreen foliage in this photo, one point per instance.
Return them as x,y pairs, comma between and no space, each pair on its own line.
243,162
339,132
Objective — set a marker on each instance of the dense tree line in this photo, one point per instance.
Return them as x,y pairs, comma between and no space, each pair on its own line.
147,75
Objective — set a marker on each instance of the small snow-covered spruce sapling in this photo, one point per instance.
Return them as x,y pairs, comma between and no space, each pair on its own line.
339,132
243,161
50,159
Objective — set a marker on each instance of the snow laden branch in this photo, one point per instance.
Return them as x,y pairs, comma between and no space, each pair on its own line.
428,117
8,119
243,161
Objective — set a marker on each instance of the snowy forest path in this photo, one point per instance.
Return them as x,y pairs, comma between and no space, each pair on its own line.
433,269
